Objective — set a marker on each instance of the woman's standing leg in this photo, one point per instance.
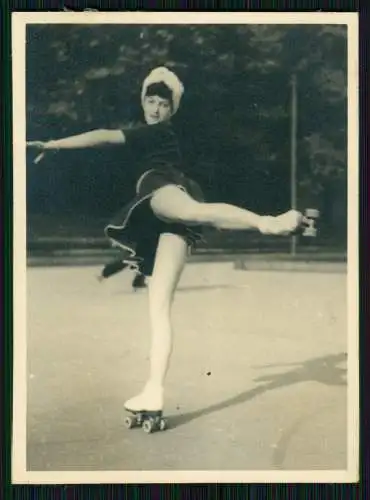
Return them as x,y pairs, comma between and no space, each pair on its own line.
169,264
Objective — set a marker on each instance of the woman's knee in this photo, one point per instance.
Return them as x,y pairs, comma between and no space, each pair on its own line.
172,203
160,300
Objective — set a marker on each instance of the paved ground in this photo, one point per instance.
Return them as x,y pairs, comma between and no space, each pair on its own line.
257,381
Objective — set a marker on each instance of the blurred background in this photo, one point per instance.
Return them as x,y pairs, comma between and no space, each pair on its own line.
261,103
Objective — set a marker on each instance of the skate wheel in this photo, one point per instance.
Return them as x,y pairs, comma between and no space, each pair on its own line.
148,426
162,424
130,422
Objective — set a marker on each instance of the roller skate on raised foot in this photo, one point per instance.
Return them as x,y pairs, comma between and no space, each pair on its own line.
146,411
311,217
289,223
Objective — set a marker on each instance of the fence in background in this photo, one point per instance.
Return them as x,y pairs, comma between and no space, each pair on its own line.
49,235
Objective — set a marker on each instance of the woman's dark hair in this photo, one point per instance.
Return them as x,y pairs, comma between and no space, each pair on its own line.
161,90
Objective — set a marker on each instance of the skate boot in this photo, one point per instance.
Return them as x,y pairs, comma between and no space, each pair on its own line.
112,268
139,281
289,223
146,410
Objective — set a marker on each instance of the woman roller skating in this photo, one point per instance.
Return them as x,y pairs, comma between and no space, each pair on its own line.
163,219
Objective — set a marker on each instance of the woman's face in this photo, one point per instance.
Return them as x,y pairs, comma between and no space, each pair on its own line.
156,109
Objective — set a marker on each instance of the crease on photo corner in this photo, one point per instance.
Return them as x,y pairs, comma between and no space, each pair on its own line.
87,9
67,9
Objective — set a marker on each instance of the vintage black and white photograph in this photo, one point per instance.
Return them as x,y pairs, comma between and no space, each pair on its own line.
185,247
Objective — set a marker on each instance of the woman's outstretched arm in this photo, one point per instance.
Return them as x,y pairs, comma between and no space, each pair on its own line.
90,139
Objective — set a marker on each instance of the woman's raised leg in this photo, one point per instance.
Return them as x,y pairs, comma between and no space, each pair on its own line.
169,263
173,204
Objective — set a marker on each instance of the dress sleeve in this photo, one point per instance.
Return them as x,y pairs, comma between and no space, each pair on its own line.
154,146
143,138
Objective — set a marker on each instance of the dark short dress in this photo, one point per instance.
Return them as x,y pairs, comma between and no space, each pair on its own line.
135,229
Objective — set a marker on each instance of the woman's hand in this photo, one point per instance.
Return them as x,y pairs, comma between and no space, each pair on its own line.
36,144
40,146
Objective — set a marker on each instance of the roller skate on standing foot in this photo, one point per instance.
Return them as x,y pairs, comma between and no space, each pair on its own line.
146,411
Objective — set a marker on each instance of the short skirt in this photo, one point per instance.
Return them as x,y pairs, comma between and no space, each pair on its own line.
135,229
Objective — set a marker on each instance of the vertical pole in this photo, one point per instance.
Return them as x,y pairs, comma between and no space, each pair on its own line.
293,175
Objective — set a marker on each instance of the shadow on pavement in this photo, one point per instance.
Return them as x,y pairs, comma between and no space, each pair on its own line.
185,289
324,370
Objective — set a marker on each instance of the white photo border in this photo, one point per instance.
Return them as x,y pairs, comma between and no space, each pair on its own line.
20,21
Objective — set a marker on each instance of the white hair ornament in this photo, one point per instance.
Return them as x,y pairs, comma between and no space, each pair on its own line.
164,75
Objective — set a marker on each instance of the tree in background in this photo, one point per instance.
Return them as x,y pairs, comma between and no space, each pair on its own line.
236,104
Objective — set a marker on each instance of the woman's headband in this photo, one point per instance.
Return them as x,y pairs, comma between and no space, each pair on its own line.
167,77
